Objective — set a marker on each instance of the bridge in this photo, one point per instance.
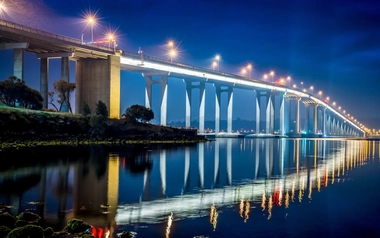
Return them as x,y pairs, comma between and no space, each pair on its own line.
98,78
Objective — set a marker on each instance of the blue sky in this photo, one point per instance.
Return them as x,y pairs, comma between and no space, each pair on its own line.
331,45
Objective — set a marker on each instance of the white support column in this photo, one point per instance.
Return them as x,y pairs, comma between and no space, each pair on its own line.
298,116
272,100
164,99
307,129
44,79
202,102
188,104
148,91
324,122
282,115
229,111
268,115
315,119
217,108
257,113
164,94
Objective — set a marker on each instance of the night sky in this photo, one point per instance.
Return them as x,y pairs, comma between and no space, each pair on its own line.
331,45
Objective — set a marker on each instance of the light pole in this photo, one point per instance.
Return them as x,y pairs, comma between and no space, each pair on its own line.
320,94
81,38
110,39
265,76
312,90
214,64
172,54
272,74
249,66
302,85
91,21
243,71
217,58
288,78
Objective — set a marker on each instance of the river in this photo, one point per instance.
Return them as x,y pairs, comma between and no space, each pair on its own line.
223,188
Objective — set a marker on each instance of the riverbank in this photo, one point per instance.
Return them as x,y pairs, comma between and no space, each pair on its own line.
30,128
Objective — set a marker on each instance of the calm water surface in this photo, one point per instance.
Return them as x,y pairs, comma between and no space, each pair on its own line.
223,188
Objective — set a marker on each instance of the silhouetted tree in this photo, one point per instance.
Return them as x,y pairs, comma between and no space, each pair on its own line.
14,92
101,109
64,90
51,100
139,113
85,110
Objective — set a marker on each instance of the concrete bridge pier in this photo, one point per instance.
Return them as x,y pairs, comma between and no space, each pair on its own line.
163,81
65,75
315,121
18,57
259,95
269,114
98,79
202,102
282,115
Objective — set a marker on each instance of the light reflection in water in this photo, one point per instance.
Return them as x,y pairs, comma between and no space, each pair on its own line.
247,210
213,216
169,225
303,172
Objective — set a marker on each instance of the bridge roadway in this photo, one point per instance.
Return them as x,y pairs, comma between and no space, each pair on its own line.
98,78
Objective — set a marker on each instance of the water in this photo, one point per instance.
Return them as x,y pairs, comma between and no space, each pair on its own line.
223,188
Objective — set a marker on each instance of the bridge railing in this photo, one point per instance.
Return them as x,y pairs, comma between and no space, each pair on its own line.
49,34
156,59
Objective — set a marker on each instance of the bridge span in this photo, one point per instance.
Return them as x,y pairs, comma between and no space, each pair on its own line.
98,78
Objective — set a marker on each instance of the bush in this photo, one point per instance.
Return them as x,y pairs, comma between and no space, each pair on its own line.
98,125
21,223
30,231
85,110
76,225
48,232
29,216
4,230
126,234
7,220
101,109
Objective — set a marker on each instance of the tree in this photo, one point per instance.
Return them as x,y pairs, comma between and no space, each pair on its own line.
101,109
139,113
64,90
85,110
14,92
51,99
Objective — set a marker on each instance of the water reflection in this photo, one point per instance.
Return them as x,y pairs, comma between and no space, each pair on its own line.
133,185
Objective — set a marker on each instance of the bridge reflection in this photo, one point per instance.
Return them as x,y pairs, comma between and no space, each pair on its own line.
103,186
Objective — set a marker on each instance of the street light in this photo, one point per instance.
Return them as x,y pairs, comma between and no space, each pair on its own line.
172,54
243,71
288,78
91,20
302,85
214,64
265,76
249,66
272,74
320,94
217,58
110,39
312,89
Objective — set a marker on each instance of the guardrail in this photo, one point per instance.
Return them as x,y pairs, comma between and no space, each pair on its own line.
49,34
